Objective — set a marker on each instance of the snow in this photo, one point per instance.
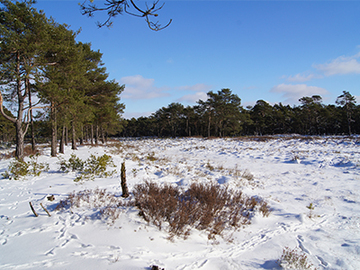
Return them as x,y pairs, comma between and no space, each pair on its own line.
289,173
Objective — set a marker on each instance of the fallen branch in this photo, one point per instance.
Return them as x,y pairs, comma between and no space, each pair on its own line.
33,210
45,209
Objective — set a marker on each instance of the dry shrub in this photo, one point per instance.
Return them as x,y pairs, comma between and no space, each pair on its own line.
209,207
28,151
294,259
151,156
247,175
118,148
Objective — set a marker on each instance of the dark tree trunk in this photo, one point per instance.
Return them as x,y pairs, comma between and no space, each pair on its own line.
73,137
62,141
102,136
66,136
97,135
19,151
53,131
92,134
209,126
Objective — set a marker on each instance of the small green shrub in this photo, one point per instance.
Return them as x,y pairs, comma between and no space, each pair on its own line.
311,208
19,168
74,164
89,169
294,259
37,167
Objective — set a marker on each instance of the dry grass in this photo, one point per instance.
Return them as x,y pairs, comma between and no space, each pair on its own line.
28,151
106,205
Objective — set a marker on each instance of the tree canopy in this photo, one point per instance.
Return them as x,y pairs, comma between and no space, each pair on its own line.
40,58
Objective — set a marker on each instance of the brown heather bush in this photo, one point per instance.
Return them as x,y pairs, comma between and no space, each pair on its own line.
207,207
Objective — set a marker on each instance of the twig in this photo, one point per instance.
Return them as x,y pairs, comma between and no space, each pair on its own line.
33,210
45,209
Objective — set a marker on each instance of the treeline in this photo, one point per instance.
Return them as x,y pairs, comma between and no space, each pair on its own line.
222,115
45,71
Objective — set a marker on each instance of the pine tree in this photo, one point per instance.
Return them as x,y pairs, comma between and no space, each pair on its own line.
348,102
22,31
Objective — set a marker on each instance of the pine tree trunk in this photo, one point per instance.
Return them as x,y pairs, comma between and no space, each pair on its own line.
33,144
82,136
73,137
66,136
92,134
102,136
20,134
19,151
209,126
53,131
62,141
97,135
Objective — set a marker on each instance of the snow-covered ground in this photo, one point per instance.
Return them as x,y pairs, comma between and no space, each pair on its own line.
290,174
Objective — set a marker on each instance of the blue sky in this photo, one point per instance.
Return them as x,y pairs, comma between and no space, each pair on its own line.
278,51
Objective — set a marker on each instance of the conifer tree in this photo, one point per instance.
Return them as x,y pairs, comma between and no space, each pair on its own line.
348,102
21,35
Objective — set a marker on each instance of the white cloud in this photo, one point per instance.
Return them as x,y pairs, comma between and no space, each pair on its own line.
192,98
292,93
138,87
129,115
341,65
302,77
200,87
357,98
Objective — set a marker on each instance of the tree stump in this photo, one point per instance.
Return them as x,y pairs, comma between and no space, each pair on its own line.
125,191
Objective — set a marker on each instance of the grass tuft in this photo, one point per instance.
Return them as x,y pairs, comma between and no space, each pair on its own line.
294,259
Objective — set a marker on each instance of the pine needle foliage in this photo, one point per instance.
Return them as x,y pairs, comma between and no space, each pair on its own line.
89,169
19,168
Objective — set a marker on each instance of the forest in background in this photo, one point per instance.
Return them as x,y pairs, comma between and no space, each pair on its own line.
222,115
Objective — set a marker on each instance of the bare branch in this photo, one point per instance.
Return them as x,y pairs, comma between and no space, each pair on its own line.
2,111
116,7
